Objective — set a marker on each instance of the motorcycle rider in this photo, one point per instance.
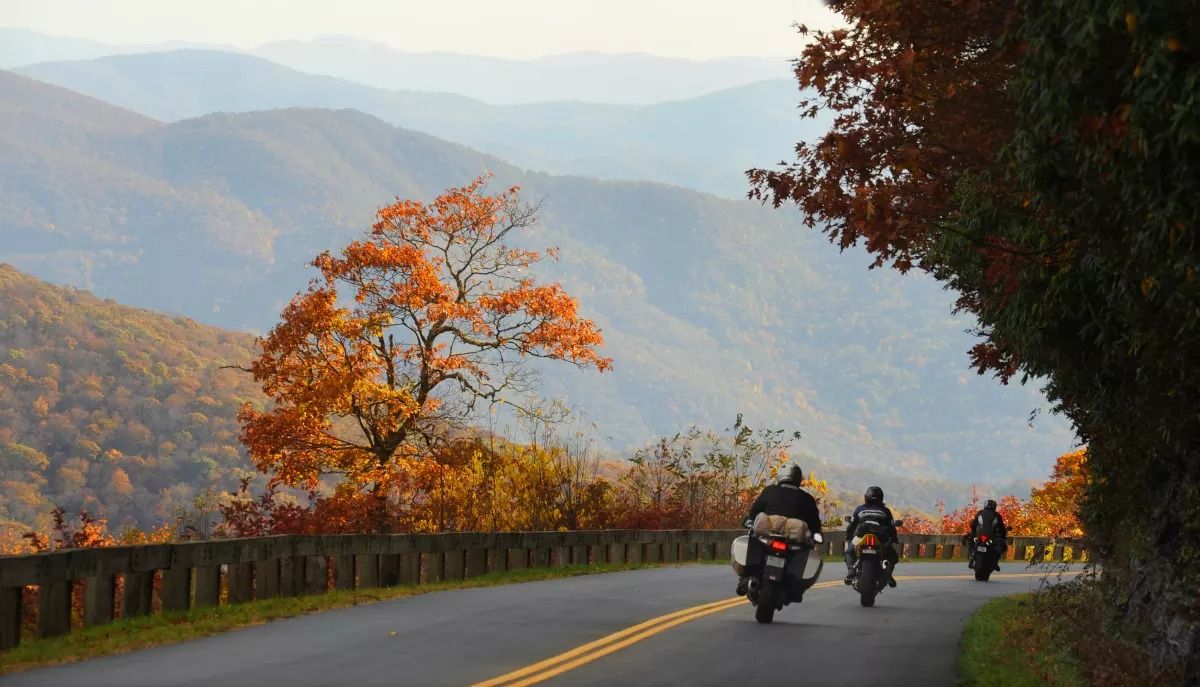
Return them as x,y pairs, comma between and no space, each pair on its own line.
786,498
873,510
987,521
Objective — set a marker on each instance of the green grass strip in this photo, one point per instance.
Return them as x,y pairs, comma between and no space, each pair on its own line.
994,653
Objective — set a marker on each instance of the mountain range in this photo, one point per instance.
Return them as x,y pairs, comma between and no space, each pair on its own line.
632,79
705,143
710,306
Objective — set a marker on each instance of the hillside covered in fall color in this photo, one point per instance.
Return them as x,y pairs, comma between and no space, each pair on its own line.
110,409
131,415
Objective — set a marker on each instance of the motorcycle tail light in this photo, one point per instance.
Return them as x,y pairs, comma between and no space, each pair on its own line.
869,540
983,537
778,545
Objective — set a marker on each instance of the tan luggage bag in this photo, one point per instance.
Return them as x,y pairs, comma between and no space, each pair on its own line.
793,529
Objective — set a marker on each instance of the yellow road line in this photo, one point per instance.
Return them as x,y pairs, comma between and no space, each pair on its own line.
586,653
553,660
555,665
965,577
610,648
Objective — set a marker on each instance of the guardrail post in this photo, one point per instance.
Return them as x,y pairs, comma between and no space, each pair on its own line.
1018,549
687,548
99,595
651,551
1057,555
671,548
633,551
208,585
176,589
579,554
409,570
947,551
138,595
368,570
930,551
343,572
10,617
562,556
435,567
316,575
476,562
616,552
54,608
598,553
268,578
291,576
389,569
518,559
240,581
455,565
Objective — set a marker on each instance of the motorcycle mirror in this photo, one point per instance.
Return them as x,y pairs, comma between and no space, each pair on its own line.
847,519
899,524
818,538
748,523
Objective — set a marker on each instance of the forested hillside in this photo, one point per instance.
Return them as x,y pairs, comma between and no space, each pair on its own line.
111,409
130,414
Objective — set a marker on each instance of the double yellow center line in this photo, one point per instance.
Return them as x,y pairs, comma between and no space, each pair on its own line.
570,660
582,655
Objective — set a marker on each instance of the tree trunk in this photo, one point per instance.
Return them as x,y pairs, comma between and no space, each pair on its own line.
379,491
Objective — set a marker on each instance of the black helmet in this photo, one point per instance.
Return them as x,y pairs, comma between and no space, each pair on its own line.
990,505
874,496
791,474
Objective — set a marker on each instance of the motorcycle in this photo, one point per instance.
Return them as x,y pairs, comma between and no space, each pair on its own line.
870,573
776,570
985,557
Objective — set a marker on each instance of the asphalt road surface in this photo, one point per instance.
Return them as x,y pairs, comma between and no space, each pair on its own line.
664,626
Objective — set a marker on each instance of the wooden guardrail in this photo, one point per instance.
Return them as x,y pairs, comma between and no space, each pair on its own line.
208,573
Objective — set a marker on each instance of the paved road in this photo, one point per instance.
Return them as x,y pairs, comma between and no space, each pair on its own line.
469,636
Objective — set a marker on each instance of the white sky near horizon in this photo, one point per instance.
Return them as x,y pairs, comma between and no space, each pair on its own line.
695,29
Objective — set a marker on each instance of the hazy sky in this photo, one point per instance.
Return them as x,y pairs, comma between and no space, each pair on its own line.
511,28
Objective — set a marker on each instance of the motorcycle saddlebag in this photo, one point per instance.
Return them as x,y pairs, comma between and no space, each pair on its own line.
738,554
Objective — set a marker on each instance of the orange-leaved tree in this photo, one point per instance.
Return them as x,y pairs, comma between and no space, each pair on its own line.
915,87
1053,508
403,334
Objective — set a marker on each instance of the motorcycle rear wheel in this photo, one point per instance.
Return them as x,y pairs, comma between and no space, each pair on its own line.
868,583
983,567
765,611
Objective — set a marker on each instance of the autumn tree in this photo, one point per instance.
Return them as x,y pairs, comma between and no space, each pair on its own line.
406,331
1053,508
1040,157
700,479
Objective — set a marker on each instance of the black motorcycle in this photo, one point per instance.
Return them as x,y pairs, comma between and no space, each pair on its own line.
869,574
985,557
776,572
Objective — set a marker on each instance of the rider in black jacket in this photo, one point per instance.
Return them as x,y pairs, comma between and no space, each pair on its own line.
988,521
873,510
787,499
